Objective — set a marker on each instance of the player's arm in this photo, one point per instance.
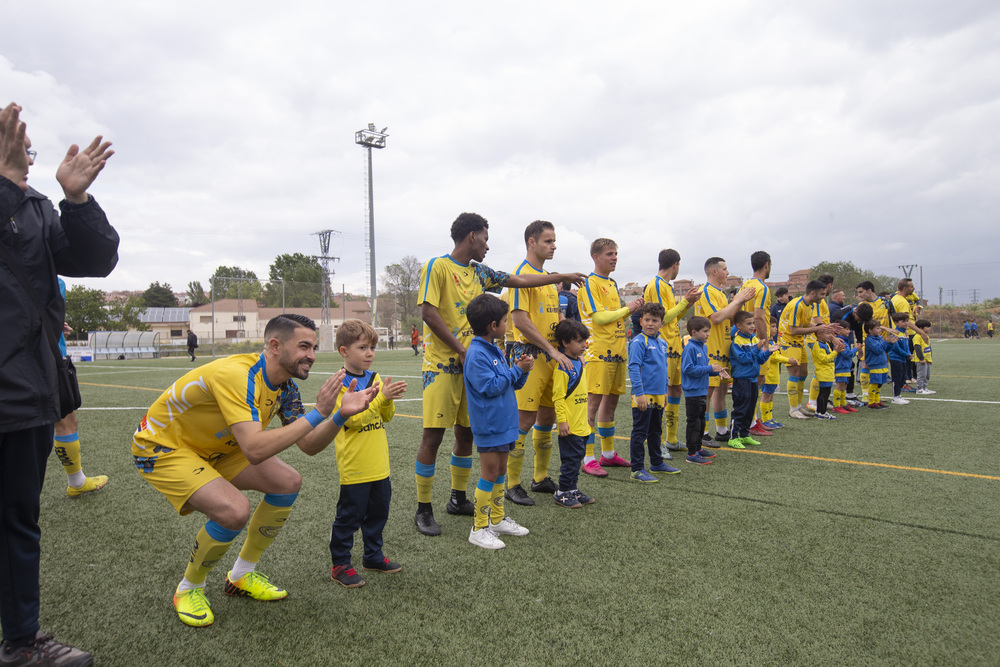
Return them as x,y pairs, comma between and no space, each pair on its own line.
432,318
538,279
528,329
720,316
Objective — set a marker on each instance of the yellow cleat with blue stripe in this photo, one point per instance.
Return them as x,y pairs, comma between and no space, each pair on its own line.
193,608
254,585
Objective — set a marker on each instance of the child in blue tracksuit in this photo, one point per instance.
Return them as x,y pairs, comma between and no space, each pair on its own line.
745,357
842,367
489,392
647,371
695,371
899,355
877,361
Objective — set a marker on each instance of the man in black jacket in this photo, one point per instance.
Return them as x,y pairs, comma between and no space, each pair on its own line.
42,243
192,343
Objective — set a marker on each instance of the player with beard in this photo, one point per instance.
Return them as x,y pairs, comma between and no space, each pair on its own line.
203,442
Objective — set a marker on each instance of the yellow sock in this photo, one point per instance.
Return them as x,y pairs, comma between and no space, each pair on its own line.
767,411
425,481
541,440
484,493
516,459
461,470
865,383
794,388
670,419
813,389
68,451
873,394
839,398
210,545
265,523
496,502
589,447
606,434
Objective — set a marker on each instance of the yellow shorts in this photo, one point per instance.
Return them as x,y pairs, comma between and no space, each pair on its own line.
179,473
655,401
537,389
797,353
606,377
674,364
444,400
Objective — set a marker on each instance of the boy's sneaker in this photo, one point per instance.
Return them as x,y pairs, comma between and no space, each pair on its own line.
926,392
385,566
908,388
825,415
644,477
854,403
594,468
749,441
44,650
771,424
90,484
664,468
567,499
796,413
876,406
676,447
667,456
426,524
852,408
517,495
807,411
723,437
736,443
346,576
544,486
760,431
704,453
841,411
706,439
695,458
192,608
615,461
899,400
485,538
583,497
757,422
508,526
254,585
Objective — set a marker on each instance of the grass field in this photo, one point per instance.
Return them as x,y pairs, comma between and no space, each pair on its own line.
874,539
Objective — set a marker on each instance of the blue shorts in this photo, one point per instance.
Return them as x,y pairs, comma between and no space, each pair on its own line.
825,384
502,449
768,388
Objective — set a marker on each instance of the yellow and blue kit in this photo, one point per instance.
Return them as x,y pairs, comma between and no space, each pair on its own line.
603,314
569,398
713,300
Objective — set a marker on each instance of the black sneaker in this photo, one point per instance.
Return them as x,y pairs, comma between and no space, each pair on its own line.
567,499
544,486
706,438
385,566
426,524
517,495
462,508
723,437
346,576
582,497
44,650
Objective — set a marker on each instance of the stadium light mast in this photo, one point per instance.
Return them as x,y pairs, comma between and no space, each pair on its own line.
369,139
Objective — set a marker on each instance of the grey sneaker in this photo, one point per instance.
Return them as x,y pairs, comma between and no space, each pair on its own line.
485,538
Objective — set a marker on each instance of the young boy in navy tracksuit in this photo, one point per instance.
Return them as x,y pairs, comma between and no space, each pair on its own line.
899,355
877,361
746,356
695,371
489,391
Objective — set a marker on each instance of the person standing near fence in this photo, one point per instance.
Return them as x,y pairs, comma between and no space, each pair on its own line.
192,343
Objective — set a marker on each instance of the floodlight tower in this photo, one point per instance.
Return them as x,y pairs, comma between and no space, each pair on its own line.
324,261
369,139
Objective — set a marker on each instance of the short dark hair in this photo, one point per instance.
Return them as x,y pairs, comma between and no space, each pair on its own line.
742,315
814,286
570,330
711,262
903,282
668,258
483,311
864,312
781,291
652,308
284,325
535,229
465,224
759,259
900,317
923,324
871,324
698,323
866,285
826,279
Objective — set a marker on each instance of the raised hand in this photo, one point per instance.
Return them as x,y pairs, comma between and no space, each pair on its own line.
392,390
745,294
693,294
354,401
635,304
575,278
326,399
13,156
79,168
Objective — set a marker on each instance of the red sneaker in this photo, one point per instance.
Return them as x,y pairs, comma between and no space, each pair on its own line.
840,410
761,431
850,408
594,468
615,461
761,425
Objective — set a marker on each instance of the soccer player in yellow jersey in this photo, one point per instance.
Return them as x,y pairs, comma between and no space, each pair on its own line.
760,307
795,324
658,290
535,313
447,285
603,314
714,305
203,442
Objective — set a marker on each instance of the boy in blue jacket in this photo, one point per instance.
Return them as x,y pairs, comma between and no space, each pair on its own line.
877,361
489,389
746,356
899,355
647,371
695,371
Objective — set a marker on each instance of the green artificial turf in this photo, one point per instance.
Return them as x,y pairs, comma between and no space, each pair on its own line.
795,552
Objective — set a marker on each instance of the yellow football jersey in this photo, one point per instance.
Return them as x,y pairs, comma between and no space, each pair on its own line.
362,446
540,303
713,300
796,314
569,398
761,299
659,291
608,342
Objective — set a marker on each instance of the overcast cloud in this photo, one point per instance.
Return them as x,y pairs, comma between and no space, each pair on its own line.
840,130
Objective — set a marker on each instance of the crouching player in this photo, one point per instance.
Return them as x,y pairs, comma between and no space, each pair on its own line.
362,460
569,399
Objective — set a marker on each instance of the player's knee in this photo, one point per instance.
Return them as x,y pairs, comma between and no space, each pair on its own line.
292,483
234,514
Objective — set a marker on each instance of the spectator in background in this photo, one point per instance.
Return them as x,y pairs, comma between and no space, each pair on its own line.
192,343
781,297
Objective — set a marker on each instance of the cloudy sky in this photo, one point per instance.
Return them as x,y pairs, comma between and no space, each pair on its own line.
837,130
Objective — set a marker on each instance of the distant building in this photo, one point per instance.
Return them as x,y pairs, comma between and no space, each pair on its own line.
170,323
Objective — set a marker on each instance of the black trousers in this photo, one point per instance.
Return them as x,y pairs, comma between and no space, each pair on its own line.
898,371
364,506
744,404
647,426
22,471
694,409
823,399
571,451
